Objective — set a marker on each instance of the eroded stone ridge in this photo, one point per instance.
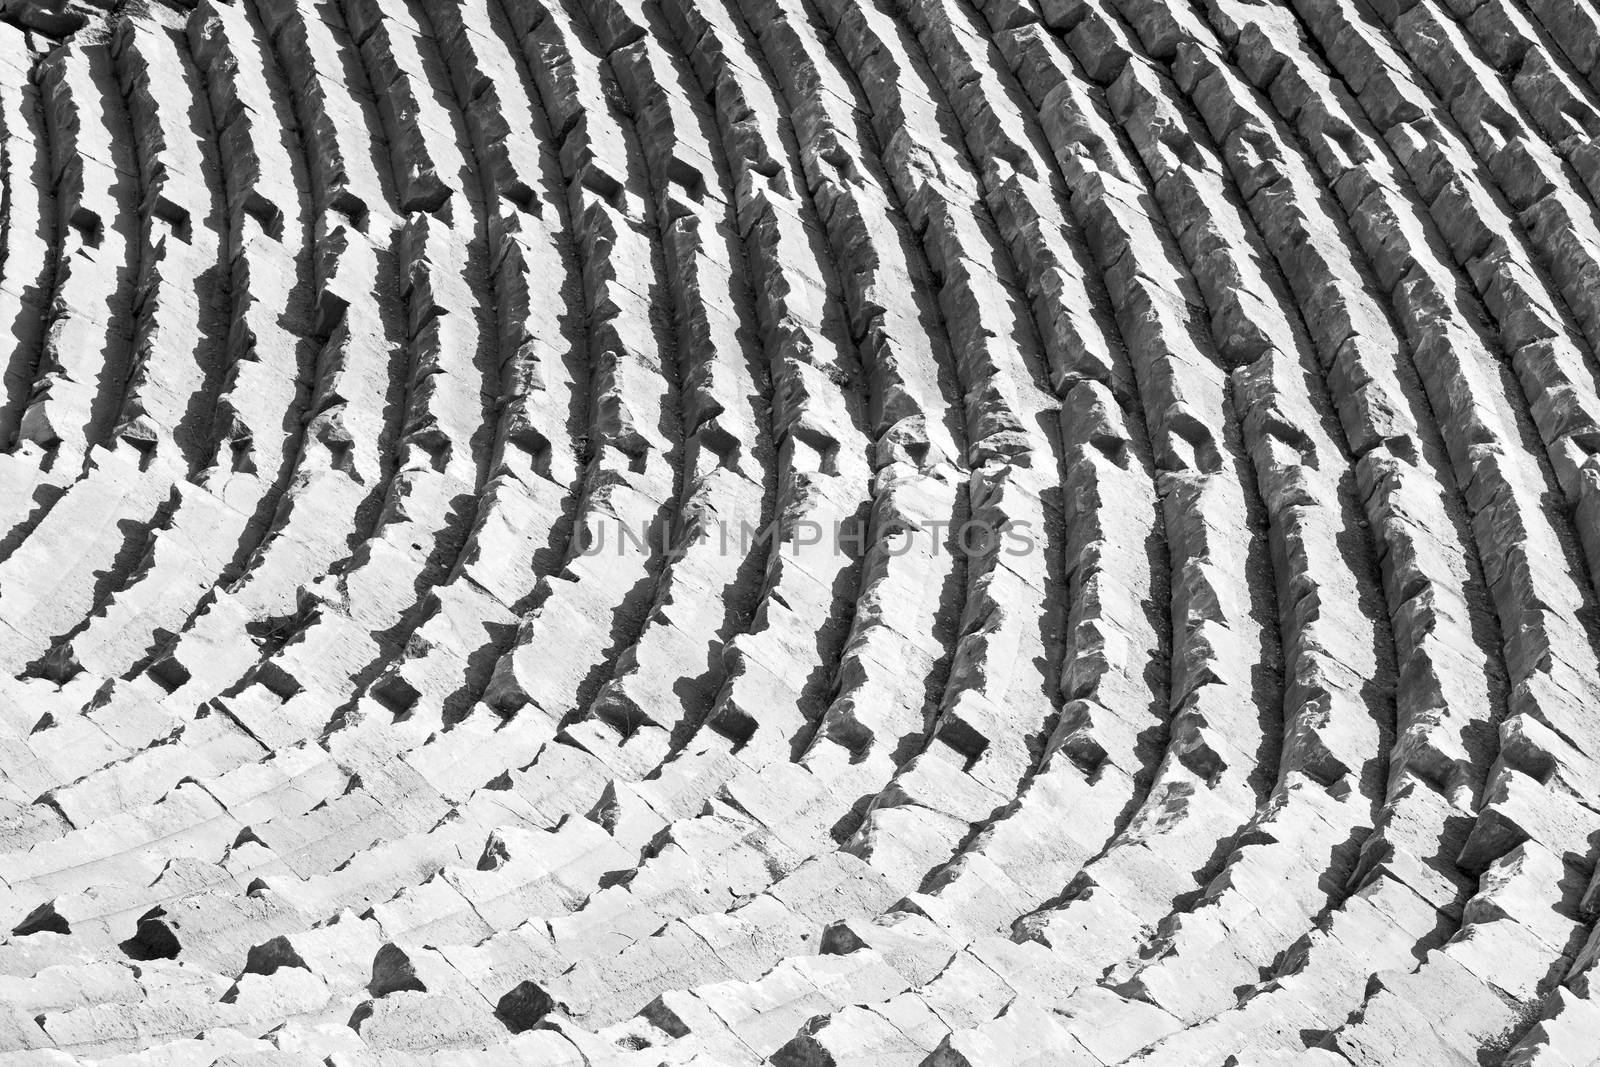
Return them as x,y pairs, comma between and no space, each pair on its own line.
379,683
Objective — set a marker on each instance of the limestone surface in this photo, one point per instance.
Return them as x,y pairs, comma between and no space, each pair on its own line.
867,533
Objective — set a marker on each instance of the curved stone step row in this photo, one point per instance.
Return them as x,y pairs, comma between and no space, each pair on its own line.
229,498
1163,446
469,591
1220,751
706,586
1182,971
861,731
1557,219
717,714
329,544
358,617
822,395
740,1020
813,1035
1490,842
261,400
270,833
901,996
677,881
428,405
636,878
988,711
1298,94
1557,97
424,163
28,274
87,331
638,439
533,473
346,456
156,783
79,497
1558,381
175,340
971,892
178,361
1573,27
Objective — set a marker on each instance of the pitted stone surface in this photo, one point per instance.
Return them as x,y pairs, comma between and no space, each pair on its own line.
811,532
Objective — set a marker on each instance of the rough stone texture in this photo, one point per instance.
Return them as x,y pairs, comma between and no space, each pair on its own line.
338,334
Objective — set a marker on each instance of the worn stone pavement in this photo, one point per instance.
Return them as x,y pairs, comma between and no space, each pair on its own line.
1176,428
